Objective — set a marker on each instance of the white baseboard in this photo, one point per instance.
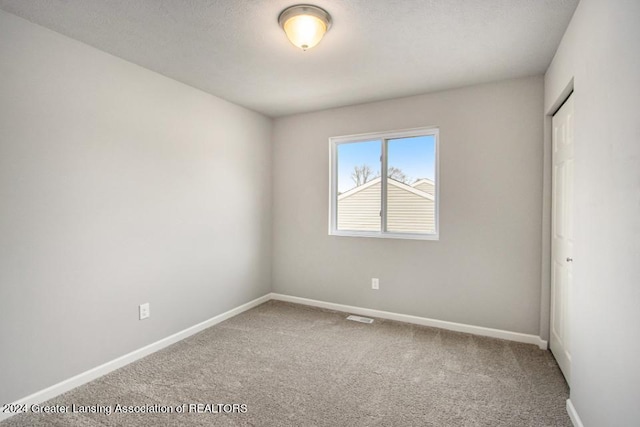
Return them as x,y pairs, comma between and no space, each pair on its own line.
442,324
575,419
105,368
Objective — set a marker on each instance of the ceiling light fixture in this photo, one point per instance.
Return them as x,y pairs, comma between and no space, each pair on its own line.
304,24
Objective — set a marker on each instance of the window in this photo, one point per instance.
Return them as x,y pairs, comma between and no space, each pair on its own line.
385,185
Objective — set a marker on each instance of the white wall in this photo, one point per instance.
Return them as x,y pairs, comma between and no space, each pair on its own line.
118,186
601,53
486,268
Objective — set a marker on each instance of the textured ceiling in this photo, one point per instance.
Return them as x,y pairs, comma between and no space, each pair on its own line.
376,49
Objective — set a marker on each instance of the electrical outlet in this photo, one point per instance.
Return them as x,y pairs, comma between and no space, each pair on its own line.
145,311
375,283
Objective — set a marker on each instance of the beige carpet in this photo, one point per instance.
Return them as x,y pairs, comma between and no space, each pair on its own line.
293,365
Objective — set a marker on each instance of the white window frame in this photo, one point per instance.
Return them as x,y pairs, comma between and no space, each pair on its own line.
334,142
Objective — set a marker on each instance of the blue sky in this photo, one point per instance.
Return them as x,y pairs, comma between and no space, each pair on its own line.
414,156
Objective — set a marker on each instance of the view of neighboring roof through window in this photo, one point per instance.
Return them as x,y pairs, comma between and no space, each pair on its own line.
404,205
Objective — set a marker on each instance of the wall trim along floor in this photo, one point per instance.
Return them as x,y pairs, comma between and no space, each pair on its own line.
573,414
105,368
424,321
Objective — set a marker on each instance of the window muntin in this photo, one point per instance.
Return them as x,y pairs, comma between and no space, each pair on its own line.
404,204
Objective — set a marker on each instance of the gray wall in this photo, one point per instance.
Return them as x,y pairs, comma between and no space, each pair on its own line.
600,52
486,268
118,186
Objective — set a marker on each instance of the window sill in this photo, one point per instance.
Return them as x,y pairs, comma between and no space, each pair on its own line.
388,235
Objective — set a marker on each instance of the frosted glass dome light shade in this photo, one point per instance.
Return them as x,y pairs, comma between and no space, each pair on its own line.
304,25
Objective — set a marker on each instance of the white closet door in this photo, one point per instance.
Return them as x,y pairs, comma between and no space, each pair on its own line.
562,236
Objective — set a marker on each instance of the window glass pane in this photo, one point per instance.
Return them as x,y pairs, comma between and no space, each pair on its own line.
358,167
411,165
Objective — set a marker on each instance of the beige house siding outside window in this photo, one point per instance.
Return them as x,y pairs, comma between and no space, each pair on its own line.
410,209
